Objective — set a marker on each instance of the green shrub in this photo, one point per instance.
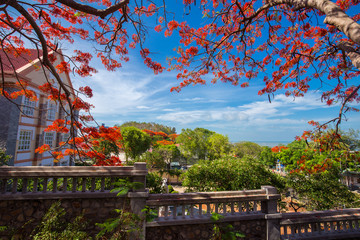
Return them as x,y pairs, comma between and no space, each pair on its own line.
153,182
230,174
54,226
322,191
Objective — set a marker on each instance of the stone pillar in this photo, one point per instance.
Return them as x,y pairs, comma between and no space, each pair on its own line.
269,207
138,198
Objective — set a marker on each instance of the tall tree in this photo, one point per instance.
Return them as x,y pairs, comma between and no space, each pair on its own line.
219,146
194,143
135,142
251,149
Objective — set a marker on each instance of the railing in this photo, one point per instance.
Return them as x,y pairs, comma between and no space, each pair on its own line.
64,182
169,209
334,224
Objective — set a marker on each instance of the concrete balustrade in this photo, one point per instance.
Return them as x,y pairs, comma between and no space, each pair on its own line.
26,193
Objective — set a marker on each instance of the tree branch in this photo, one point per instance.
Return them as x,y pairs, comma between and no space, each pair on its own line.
351,53
93,11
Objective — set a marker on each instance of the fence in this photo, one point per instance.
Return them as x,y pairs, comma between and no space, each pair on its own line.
333,224
27,192
189,214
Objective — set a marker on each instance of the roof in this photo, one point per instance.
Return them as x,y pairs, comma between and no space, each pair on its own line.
25,61
9,61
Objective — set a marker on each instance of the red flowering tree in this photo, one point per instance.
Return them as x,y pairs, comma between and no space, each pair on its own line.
291,45
288,44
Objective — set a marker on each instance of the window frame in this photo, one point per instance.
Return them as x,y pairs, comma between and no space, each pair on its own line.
51,111
28,106
24,140
47,139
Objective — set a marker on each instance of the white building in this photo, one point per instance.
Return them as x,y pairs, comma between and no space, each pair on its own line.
21,132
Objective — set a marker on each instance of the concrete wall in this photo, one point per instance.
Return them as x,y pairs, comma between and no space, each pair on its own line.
24,215
253,229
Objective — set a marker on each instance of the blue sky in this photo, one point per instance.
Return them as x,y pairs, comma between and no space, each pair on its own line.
134,93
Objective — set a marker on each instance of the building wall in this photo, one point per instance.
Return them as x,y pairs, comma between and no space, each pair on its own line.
12,121
9,122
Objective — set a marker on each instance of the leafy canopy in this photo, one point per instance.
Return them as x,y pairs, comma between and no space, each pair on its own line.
135,142
292,45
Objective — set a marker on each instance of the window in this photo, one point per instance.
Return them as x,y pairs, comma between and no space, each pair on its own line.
24,140
28,107
49,138
51,112
64,137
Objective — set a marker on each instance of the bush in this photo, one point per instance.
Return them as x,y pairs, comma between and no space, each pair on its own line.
322,191
230,173
3,157
54,226
153,182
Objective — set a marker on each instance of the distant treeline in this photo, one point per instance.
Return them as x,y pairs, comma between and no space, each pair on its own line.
150,126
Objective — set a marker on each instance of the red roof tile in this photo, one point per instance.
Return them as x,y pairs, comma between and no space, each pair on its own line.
9,61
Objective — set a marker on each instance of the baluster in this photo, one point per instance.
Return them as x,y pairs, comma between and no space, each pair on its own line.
255,207
331,227
356,224
83,189
174,212
65,183
313,228
35,185
45,185
3,185
93,184
111,183
338,226
14,185
25,185
321,227
166,212
307,228
200,210
216,207
102,184
298,229
293,230
240,207
208,210
183,211
74,182
158,213
232,208
247,206
285,230
191,211
351,227
55,181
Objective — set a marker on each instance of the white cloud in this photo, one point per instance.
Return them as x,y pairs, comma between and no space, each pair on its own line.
254,113
122,92
142,107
